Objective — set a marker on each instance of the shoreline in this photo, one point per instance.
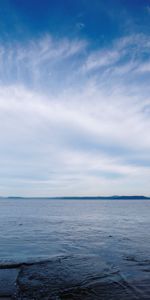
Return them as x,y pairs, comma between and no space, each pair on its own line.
73,278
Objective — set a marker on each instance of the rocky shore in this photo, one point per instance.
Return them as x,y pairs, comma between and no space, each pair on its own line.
69,278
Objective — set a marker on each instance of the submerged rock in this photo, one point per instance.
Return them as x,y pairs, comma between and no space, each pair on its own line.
74,278
61,278
8,279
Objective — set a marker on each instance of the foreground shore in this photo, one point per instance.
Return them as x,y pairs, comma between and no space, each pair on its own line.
72,278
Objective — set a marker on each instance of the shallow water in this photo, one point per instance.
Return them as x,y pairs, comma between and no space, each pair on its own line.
111,235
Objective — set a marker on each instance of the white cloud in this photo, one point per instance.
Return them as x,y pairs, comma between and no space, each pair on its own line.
38,61
124,55
89,137
144,68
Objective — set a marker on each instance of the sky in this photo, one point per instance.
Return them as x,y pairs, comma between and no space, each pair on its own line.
74,97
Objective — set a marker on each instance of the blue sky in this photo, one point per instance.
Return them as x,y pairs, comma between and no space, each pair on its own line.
74,97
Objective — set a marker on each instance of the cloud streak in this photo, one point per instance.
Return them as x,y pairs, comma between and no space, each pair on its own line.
74,120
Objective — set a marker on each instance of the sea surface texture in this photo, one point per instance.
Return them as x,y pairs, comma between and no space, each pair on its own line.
77,249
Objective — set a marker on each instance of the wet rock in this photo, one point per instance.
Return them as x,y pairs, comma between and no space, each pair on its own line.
73,278
8,282
64,278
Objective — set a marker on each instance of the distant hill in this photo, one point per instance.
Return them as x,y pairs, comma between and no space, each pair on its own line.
106,197
115,197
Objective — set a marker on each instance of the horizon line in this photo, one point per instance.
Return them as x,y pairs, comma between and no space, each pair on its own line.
79,197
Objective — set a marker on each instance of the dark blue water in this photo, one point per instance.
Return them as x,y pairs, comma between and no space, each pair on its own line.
31,229
115,233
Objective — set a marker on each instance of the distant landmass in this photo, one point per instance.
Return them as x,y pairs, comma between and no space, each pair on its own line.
105,197
115,197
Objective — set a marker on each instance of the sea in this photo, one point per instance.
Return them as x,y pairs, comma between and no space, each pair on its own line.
109,241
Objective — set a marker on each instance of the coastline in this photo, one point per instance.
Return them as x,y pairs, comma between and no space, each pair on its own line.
115,197
73,278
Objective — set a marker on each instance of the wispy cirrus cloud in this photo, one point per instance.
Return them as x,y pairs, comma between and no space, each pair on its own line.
37,61
72,122
125,54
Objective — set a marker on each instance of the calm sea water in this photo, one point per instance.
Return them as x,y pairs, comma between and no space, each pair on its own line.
106,246
40,229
